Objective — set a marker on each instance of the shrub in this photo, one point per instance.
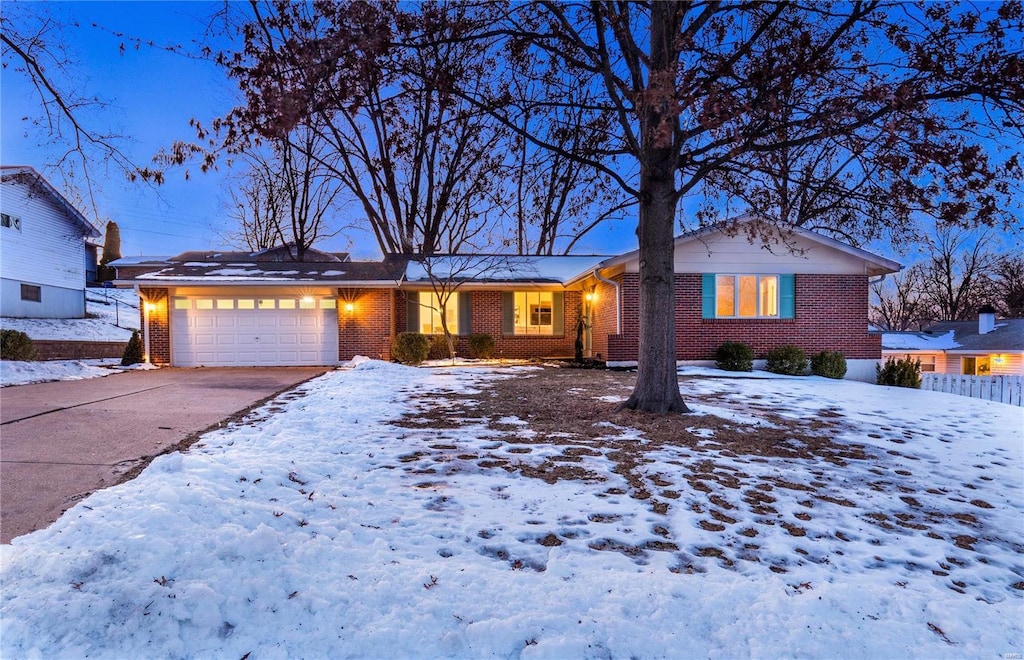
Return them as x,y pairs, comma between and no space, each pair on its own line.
16,345
133,351
735,356
410,347
787,359
830,364
905,372
481,346
437,347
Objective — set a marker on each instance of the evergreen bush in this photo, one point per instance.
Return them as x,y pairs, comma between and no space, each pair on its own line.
16,345
410,347
133,351
437,347
830,364
481,346
787,359
905,372
735,356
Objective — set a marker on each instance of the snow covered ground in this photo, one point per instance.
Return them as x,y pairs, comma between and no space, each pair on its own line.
13,372
113,313
384,512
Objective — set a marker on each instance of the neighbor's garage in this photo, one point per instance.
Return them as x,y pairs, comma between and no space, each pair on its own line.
257,330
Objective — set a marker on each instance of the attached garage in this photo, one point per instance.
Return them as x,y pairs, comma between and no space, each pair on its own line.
253,330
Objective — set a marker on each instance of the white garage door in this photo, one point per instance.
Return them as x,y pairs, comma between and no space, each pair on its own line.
251,331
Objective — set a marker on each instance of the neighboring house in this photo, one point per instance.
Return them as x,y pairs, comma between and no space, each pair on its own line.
253,308
986,347
44,248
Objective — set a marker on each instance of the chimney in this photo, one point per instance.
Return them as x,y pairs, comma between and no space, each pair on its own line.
986,320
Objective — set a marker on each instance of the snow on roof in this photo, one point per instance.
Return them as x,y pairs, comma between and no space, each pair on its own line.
918,341
139,260
502,268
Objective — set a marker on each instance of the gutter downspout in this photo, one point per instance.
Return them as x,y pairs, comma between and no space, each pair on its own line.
618,299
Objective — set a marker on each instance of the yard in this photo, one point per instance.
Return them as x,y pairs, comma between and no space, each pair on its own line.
386,511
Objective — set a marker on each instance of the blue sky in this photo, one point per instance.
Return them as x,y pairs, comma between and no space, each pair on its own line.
152,95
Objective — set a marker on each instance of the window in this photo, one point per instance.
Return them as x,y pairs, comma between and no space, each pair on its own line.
430,313
927,363
182,303
31,293
748,296
976,366
225,303
10,221
532,313
246,303
267,303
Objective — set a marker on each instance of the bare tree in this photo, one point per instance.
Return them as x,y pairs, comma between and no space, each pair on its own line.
1008,286
901,303
956,273
34,45
697,88
256,205
450,272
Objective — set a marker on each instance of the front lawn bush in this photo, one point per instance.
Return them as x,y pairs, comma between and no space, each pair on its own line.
787,359
16,345
735,356
905,372
410,347
438,348
481,346
830,364
133,351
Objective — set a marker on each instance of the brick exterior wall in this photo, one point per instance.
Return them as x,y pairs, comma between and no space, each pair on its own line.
159,329
486,317
367,329
831,314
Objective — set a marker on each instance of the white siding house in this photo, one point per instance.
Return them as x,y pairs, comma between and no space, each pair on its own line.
43,248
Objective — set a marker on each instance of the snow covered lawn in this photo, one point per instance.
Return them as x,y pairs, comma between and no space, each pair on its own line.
112,315
476,512
14,372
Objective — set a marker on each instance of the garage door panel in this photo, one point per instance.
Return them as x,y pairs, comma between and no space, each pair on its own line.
233,335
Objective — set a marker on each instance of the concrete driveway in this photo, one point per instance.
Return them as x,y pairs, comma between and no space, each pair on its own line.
61,441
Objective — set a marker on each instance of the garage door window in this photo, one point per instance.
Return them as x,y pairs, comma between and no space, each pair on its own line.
246,303
204,303
267,303
286,303
225,303
182,303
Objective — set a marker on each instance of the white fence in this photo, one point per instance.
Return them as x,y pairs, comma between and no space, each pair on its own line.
1004,389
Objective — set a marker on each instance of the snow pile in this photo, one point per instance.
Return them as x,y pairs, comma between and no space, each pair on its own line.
327,526
13,372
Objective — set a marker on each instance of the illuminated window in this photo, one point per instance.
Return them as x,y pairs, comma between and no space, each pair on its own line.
430,313
246,303
225,303
746,296
307,303
182,303
976,366
267,303
204,303
328,303
286,303
927,363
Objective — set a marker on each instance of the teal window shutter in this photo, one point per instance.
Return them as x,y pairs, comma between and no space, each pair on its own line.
412,311
508,312
558,313
787,296
708,295
465,312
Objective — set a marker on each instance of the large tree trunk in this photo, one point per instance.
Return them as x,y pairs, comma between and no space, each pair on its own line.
657,385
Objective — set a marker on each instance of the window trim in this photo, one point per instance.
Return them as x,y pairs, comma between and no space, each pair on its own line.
31,293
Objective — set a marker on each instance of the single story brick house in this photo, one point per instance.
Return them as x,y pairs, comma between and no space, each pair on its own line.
987,347
231,308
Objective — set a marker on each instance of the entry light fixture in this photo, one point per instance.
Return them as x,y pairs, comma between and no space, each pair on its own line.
590,296
150,307
349,308
998,359
307,300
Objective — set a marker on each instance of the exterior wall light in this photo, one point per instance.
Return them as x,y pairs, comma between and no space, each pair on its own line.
150,307
998,359
307,300
349,308
590,296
